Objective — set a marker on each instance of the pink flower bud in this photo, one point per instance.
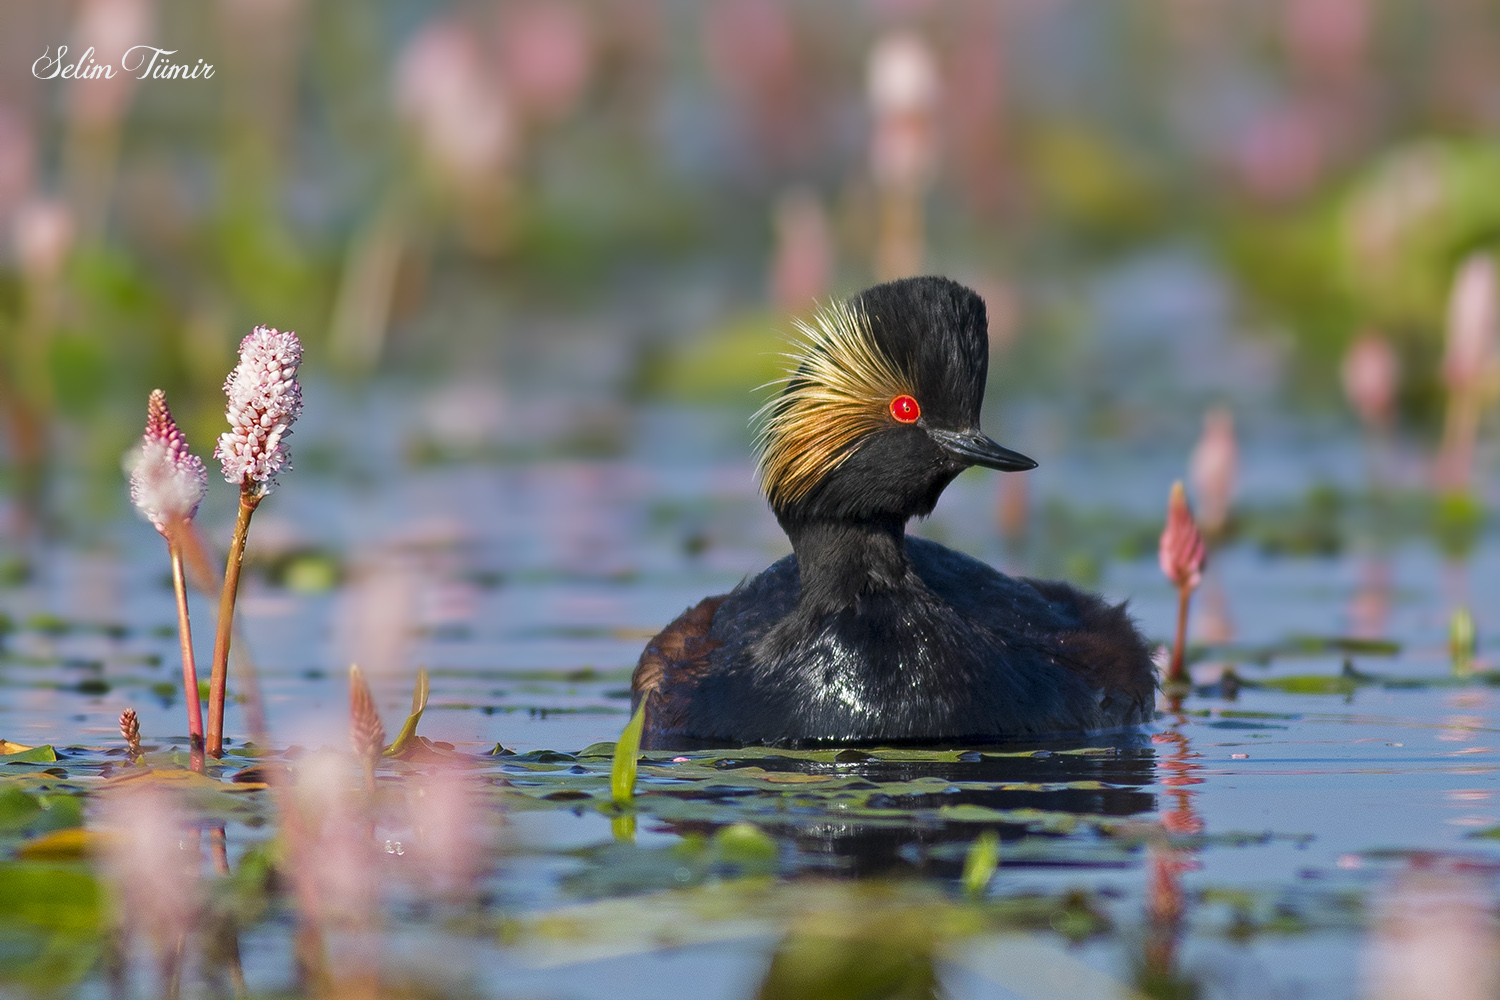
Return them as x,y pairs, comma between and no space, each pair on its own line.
1371,372
264,398
168,481
1473,312
130,730
1212,468
366,734
1181,552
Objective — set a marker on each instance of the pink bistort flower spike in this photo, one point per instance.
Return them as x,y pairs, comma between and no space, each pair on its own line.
1182,555
1181,552
168,482
130,729
264,399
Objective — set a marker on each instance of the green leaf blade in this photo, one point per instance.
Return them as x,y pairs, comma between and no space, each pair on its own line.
627,755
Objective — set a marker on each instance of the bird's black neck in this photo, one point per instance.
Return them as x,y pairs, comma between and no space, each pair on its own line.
839,561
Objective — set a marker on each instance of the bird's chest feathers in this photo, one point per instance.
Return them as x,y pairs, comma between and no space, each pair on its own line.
859,662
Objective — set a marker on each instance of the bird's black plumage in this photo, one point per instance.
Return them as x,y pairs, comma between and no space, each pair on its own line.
862,634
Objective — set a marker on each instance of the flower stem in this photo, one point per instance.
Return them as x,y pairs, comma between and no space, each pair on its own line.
185,633
1177,669
217,682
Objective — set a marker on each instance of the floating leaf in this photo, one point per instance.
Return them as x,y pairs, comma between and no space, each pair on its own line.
1293,646
31,755
17,809
58,897
980,863
408,732
74,842
627,753
1309,684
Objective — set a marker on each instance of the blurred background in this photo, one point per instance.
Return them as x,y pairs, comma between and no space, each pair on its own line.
553,215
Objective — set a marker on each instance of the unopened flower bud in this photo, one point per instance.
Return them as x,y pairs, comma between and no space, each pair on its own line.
1181,552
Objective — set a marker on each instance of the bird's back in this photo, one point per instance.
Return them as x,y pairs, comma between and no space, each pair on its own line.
962,653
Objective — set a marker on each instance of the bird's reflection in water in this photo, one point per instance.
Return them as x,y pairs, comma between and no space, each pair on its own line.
1109,780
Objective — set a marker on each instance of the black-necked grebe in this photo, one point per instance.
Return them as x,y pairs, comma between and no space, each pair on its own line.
864,635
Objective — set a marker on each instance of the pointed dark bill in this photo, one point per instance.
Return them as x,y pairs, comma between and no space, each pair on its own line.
974,448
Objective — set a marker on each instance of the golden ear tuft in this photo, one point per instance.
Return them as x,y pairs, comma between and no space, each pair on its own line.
839,389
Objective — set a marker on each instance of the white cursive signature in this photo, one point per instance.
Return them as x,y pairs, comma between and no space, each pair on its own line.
141,61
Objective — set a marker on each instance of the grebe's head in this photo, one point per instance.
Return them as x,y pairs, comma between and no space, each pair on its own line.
880,409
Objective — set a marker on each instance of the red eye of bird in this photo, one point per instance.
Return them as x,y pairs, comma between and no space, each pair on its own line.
905,409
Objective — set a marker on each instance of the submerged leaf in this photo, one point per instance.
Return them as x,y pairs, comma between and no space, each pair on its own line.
627,754
745,843
980,863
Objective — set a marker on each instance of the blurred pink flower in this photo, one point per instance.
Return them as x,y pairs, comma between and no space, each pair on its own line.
1212,468
1434,937
1371,373
974,105
1283,152
264,398
334,868
44,237
449,819
17,160
111,27
168,481
366,733
903,89
546,55
1181,552
453,104
750,47
803,263
151,860
1405,195
1473,313
1327,39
